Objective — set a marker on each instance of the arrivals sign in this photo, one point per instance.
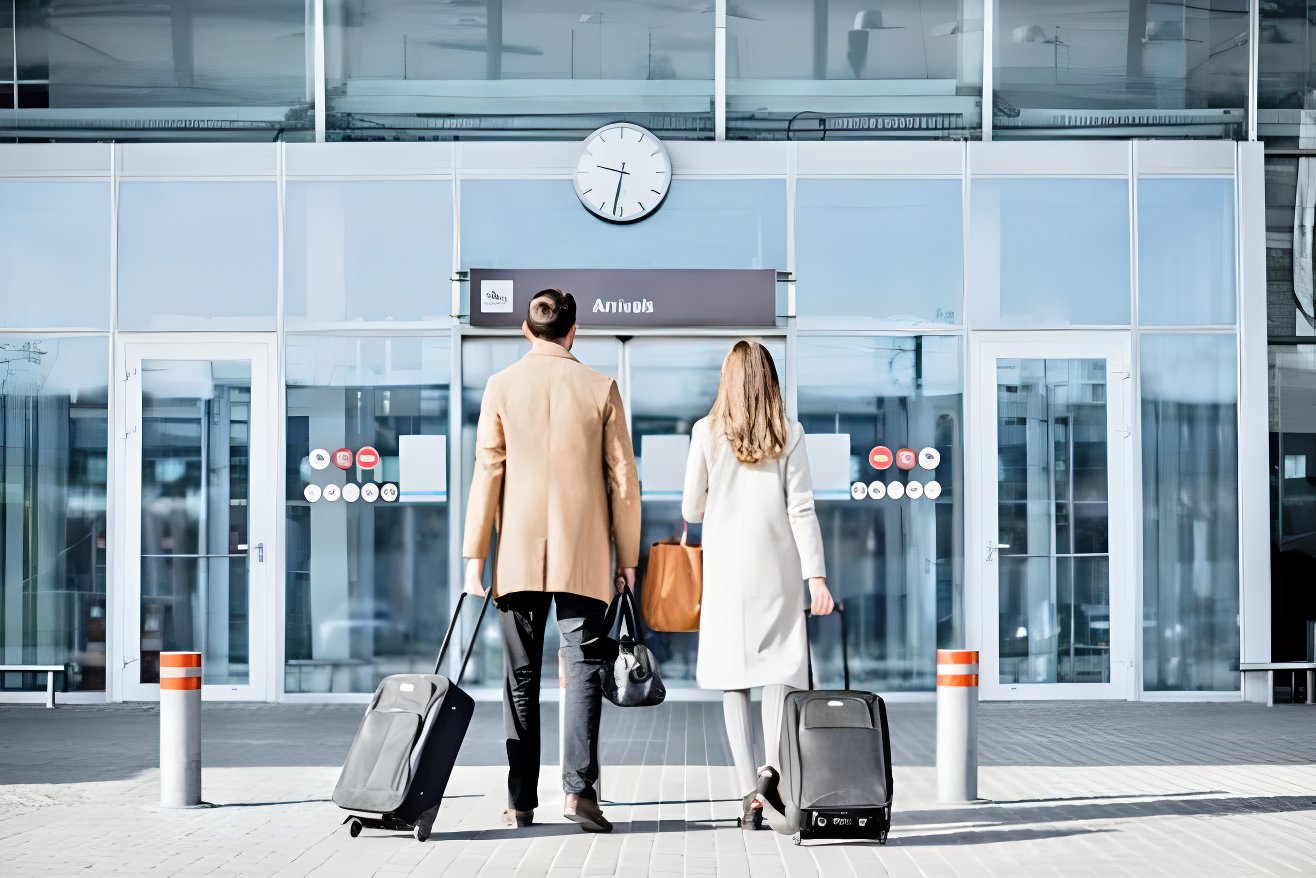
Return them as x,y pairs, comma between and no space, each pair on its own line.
631,297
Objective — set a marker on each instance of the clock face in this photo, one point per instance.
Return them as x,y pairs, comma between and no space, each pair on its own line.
623,173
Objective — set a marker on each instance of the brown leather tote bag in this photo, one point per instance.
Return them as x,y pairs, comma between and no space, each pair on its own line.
673,585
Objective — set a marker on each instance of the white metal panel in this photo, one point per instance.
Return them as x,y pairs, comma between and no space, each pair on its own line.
55,160
1253,417
369,159
885,159
1103,158
199,160
1189,157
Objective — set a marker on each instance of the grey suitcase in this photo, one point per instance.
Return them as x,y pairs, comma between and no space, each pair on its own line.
835,762
406,747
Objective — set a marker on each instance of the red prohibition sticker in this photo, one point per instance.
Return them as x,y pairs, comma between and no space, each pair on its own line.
367,458
343,458
906,458
880,457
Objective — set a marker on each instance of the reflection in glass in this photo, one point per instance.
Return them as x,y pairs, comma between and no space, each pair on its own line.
1186,267
1128,68
897,565
54,254
196,423
1292,498
844,69
366,586
1286,87
1049,252
198,255
519,69
1053,521
879,251
1290,231
672,385
200,70
370,251
54,432
481,358
1190,577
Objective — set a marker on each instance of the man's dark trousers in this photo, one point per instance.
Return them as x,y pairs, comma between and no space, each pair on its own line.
522,616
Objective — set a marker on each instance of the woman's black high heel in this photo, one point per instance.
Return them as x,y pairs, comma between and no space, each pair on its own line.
767,788
751,817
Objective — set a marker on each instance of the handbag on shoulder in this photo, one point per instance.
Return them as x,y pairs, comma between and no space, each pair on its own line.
632,679
673,585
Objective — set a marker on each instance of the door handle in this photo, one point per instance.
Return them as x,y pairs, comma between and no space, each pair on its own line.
992,547
260,552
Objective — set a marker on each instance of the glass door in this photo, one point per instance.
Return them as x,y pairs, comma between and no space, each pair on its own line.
1054,442
198,512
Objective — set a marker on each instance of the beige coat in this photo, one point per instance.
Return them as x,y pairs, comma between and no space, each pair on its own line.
761,541
555,476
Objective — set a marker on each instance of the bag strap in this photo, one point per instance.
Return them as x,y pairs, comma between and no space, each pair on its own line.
622,605
452,626
845,645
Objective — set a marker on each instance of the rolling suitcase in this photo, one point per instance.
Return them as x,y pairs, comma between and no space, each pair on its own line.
406,747
835,763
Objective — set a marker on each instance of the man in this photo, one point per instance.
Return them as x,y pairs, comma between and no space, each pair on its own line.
555,476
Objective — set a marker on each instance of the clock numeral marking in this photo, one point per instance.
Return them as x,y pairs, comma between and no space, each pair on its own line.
655,192
588,191
641,205
655,152
602,204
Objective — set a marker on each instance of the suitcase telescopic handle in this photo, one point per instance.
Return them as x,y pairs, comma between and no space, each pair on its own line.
845,645
452,626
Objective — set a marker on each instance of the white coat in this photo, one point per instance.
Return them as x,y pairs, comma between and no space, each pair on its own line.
761,541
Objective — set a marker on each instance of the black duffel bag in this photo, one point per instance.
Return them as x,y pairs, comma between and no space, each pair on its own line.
631,678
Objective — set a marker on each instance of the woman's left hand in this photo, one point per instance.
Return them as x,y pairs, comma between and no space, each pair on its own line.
820,598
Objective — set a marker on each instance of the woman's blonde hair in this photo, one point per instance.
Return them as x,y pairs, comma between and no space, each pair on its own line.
748,408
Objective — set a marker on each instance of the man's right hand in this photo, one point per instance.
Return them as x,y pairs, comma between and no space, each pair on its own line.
625,579
474,583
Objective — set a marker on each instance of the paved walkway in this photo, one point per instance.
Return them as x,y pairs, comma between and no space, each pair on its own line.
1074,789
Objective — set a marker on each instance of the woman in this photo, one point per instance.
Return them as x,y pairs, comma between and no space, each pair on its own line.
747,480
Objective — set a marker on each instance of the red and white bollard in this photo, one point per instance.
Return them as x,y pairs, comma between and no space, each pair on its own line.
957,725
180,729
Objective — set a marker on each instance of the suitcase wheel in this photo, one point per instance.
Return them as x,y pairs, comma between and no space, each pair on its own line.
421,833
798,840
881,839
354,827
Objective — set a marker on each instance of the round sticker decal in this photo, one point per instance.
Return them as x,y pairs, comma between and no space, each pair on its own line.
914,489
318,458
858,491
876,490
388,491
906,458
370,492
880,457
932,490
311,493
895,490
332,492
929,458
367,457
343,458
351,492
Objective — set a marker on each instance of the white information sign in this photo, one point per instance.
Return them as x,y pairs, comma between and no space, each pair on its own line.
829,461
662,464
423,468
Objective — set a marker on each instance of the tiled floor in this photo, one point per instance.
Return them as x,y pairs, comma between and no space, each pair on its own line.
1073,789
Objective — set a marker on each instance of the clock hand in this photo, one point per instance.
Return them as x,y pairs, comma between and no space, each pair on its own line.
614,170
616,199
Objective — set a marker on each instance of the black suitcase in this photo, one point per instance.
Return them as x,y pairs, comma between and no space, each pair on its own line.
406,747
835,762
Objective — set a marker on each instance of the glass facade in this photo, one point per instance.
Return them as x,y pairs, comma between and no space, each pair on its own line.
1130,68
367,587
54,469
201,70
898,567
843,69
516,68
1190,512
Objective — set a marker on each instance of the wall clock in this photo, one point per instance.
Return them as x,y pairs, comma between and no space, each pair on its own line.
623,174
